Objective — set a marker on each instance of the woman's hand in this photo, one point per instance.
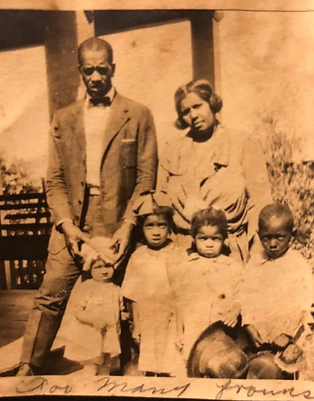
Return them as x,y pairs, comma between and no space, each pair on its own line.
230,320
230,317
255,336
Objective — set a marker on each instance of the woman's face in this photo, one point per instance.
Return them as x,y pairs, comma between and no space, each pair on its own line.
197,113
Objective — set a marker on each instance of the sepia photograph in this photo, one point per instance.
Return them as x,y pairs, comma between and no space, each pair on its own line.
157,200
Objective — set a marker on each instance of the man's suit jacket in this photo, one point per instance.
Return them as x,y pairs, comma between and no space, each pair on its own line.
128,166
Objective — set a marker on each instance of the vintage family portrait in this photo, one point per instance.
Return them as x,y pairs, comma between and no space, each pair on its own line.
156,201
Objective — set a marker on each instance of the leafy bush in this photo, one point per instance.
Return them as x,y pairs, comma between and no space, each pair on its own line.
293,183
15,178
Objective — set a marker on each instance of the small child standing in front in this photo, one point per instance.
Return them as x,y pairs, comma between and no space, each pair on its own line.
92,323
276,297
146,285
206,283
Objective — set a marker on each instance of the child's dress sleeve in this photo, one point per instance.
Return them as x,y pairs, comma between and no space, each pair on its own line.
131,284
81,294
78,297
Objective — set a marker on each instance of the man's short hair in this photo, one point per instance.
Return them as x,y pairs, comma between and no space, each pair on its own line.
95,44
209,217
278,210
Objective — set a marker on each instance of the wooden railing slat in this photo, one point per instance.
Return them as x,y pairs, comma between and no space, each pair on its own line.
15,197
19,216
16,206
26,226
24,239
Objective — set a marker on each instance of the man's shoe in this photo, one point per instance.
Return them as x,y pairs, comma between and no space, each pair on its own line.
25,369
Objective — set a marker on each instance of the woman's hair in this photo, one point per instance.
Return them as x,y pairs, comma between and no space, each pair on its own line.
204,90
209,217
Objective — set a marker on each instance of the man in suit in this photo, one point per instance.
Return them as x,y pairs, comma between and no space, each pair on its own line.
102,155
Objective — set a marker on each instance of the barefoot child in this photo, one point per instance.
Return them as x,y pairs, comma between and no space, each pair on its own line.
276,297
146,286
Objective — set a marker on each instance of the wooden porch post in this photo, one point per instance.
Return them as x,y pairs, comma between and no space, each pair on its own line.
204,45
64,31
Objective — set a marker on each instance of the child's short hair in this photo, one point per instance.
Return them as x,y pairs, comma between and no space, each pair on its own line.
153,202
165,211
209,217
281,210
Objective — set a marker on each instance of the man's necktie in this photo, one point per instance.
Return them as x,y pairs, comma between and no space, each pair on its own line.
105,101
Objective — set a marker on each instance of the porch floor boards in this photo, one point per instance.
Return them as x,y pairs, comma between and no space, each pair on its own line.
15,306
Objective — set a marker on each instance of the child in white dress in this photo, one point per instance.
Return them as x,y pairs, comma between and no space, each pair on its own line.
146,285
206,283
92,322
276,297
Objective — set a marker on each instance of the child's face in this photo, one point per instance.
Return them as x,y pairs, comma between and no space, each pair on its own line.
209,241
155,230
101,273
275,236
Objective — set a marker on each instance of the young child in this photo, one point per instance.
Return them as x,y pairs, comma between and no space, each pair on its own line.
146,285
93,316
276,296
206,283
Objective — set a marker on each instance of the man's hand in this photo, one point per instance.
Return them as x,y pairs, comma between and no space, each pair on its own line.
73,236
121,240
97,250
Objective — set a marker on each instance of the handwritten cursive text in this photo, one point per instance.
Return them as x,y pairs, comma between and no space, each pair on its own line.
41,384
123,387
252,390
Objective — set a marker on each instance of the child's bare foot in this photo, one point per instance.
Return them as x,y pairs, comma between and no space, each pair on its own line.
105,365
91,369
